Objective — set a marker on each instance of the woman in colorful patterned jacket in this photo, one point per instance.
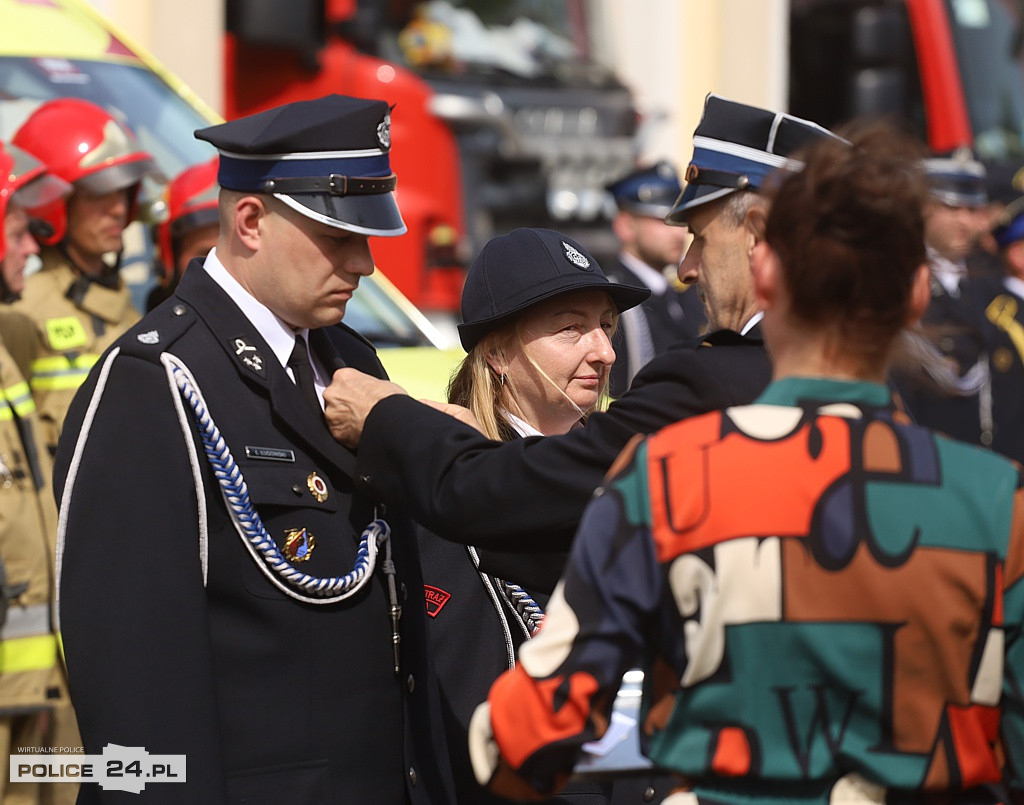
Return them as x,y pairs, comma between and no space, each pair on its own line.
827,599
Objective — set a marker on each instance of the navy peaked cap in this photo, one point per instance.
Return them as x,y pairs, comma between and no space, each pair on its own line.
1010,226
326,158
527,266
648,190
736,147
957,179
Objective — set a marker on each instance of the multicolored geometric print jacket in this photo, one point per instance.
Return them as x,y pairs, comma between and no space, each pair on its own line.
827,602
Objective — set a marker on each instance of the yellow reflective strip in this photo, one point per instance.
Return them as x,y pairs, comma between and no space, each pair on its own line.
60,372
28,654
6,414
61,363
19,397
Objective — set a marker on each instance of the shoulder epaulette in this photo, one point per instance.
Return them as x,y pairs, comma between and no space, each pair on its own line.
158,330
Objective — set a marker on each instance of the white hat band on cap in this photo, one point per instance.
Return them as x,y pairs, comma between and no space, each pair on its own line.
307,155
746,152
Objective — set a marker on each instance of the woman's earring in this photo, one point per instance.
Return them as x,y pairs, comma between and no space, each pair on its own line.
502,380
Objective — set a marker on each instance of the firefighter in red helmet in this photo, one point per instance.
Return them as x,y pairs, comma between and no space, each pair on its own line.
31,679
190,228
78,301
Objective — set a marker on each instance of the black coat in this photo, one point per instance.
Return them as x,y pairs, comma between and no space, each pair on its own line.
528,495
955,326
1004,313
271,699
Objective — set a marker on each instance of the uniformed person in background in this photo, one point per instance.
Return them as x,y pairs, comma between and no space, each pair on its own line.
189,229
944,379
650,252
225,593
78,301
31,684
1004,311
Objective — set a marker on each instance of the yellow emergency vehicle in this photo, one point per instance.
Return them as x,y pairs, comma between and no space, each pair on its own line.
66,48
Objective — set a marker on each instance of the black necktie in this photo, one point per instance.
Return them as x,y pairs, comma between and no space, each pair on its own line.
302,370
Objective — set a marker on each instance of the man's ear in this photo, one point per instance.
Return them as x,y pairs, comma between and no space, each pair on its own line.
920,294
624,227
764,265
248,220
755,220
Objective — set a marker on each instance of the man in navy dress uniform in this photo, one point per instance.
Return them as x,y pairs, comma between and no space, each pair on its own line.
648,250
947,388
219,597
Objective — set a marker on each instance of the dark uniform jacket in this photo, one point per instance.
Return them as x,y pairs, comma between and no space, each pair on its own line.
650,328
176,639
953,324
1004,312
527,495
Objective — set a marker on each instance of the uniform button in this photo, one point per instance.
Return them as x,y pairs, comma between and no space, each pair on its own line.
297,489
410,683
412,775
364,479
178,310
649,793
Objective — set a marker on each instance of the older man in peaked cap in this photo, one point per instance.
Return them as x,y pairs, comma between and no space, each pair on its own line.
531,492
228,598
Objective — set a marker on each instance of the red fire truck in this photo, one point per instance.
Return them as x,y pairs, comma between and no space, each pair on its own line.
951,69
503,117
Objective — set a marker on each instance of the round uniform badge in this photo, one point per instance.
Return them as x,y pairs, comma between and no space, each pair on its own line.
317,486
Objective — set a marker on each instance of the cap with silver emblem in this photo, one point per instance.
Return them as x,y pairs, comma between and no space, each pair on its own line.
736,147
326,158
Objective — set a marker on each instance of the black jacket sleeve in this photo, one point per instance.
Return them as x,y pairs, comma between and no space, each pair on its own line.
528,494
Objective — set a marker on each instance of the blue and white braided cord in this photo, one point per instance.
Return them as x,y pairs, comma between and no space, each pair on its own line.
311,589
529,611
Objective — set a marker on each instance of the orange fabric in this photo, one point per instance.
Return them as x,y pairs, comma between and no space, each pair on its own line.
975,730
694,481
732,753
523,713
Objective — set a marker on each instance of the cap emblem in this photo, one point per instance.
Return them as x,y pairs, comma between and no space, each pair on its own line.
384,132
576,257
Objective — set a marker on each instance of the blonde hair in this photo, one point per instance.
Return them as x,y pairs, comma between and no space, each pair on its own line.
476,386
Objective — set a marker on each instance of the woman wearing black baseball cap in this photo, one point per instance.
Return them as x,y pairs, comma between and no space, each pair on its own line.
538,317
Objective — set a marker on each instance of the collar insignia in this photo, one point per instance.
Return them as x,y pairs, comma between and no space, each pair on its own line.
248,355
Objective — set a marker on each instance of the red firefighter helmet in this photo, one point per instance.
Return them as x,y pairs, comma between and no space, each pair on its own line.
26,181
84,145
191,199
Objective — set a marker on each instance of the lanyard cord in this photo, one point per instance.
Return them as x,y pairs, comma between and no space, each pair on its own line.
299,585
